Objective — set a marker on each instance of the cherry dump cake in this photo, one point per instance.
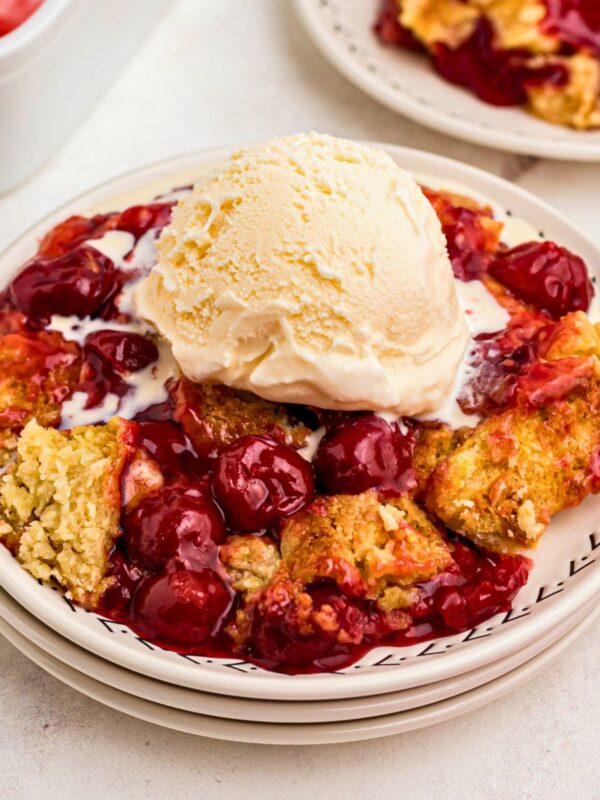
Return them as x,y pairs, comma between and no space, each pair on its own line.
540,54
215,522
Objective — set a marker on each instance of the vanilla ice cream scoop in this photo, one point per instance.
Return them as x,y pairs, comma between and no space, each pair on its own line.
310,270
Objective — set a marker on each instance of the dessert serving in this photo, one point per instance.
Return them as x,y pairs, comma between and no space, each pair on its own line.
543,55
297,411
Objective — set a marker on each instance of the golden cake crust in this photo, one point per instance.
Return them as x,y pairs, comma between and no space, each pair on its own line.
503,483
61,502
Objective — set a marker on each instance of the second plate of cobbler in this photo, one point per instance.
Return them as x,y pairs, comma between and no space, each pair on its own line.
517,75
315,419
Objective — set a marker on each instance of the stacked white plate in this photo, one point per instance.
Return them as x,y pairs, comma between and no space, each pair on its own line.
391,689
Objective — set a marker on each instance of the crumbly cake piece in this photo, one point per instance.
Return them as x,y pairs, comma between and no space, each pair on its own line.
372,547
250,561
572,335
61,502
500,487
435,442
215,416
37,372
365,543
577,103
452,21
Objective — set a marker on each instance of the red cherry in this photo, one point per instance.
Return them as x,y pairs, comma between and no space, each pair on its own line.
452,608
176,525
125,352
283,635
126,577
477,586
365,453
465,558
72,232
575,23
139,219
168,445
390,31
76,283
258,481
180,607
546,275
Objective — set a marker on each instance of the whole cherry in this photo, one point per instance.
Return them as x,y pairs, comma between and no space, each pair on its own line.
168,444
365,453
76,283
283,632
257,481
180,607
176,526
546,275
125,351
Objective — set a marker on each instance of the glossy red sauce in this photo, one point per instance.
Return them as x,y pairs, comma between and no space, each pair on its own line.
13,13
496,75
170,585
574,22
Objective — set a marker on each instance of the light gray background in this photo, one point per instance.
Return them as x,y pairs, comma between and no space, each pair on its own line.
225,71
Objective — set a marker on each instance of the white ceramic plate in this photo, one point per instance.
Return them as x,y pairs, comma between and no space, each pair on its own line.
289,734
406,83
565,577
273,711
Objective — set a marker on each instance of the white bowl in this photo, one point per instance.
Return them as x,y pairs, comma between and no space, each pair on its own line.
215,705
564,579
290,734
54,66
406,83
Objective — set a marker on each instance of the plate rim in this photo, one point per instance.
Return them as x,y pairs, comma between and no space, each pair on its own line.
426,114
300,734
102,671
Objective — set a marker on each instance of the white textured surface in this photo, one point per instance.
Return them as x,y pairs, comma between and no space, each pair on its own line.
180,94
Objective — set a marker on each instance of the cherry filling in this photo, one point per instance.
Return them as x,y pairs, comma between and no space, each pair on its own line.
390,31
496,362
258,481
324,629
497,76
125,352
109,356
477,587
574,22
72,232
365,453
137,220
76,283
124,580
177,526
13,13
170,447
547,276
180,607
287,633
471,244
